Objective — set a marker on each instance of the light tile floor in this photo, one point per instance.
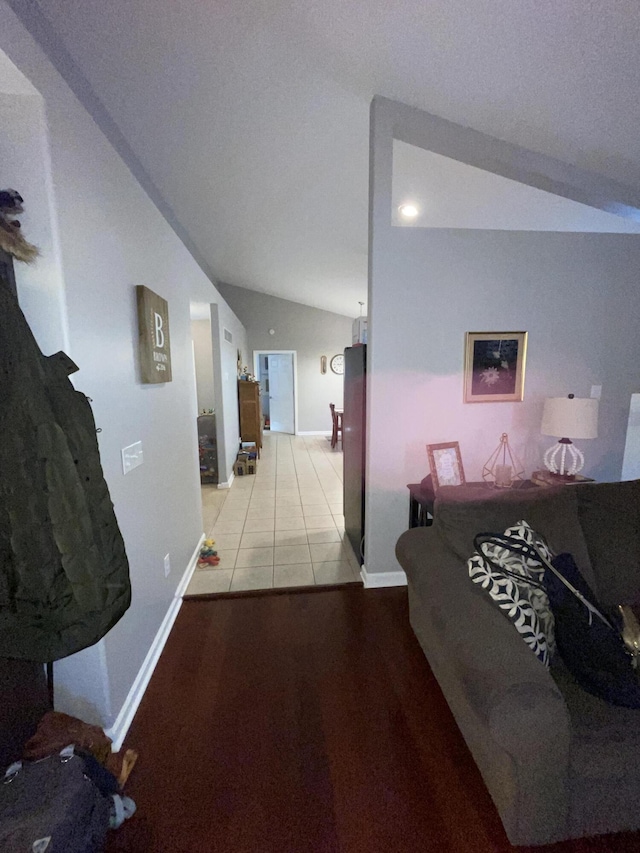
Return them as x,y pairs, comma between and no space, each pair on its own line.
282,526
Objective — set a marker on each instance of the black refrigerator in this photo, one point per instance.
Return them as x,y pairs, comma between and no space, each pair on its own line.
353,444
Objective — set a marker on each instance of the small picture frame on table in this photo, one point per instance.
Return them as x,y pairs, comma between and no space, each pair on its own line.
445,464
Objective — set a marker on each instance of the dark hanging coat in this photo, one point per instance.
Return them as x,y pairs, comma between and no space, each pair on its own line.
64,576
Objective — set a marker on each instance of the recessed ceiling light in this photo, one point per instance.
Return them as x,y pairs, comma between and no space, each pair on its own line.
409,211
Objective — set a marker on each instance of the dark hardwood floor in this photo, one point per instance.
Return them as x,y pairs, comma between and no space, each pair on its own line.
306,722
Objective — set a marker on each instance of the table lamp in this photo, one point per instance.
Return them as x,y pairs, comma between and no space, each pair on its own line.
567,418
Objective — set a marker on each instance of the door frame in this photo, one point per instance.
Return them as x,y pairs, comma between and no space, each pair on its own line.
256,372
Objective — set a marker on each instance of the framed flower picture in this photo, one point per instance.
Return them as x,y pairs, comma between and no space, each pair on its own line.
494,364
445,464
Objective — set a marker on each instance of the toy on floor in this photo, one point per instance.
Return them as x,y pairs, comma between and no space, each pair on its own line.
208,555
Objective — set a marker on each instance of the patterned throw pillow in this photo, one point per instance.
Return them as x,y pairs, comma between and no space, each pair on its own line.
525,605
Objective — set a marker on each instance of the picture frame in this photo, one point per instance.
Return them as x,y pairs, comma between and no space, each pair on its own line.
154,340
445,464
494,367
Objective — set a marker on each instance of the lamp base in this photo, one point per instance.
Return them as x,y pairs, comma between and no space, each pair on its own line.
556,460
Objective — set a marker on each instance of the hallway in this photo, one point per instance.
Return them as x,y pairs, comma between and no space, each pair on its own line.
282,527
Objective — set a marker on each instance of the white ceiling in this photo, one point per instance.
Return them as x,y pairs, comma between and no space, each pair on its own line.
251,116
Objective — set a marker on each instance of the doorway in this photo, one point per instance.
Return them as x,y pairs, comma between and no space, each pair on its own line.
276,371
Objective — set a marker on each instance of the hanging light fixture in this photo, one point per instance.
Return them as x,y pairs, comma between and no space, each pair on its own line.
502,469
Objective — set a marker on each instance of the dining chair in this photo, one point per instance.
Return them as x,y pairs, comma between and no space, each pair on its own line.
336,418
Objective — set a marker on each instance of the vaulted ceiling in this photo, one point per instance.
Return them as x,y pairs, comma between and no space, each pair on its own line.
251,116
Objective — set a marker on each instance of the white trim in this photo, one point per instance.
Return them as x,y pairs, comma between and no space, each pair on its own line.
256,372
119,729
227,483
314,432
191,567
375,580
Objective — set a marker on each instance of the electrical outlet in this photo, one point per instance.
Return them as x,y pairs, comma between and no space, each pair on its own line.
167,565
132,456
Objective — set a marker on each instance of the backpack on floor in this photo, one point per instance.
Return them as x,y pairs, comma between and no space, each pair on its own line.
52,806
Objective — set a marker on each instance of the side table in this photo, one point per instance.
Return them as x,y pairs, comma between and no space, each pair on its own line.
421,498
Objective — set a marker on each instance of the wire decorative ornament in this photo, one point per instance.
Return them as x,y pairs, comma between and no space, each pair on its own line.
503,469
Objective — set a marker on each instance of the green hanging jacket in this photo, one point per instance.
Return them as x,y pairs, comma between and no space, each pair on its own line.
64,575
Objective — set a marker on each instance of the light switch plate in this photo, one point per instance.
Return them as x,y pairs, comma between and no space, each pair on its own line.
596,392
132,456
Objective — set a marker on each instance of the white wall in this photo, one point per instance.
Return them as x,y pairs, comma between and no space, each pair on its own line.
225,370
111,238
311,332
631,460
576,295
203,355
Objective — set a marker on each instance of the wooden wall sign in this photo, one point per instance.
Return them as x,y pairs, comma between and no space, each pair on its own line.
154,345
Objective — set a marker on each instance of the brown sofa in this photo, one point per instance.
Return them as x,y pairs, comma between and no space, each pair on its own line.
558,762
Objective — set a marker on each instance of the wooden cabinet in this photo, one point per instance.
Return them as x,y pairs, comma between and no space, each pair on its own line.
250,412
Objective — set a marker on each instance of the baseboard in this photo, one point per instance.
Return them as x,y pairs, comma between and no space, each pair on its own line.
227,484
374,580
188,572
314,432
118,731
282,590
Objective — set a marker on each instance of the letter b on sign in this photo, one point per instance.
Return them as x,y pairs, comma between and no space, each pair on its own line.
158,330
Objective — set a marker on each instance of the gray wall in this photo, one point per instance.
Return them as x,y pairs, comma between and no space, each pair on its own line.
576,294
225,377
311,332
100,236
203,357
631,460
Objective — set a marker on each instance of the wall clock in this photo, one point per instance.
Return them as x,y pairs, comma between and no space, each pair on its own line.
337,364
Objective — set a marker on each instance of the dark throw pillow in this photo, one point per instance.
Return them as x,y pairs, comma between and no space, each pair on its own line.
593,652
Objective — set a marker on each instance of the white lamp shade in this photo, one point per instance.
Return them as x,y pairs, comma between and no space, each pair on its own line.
570,417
